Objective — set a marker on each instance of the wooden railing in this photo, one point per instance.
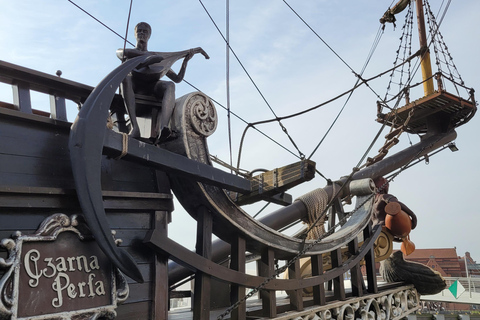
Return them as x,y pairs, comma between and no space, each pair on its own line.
24,80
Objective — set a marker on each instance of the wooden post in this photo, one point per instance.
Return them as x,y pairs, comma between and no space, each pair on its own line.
338,282
21,97
237,292
356,275
201,294
318,291
370,262
296,296
161,299
58,108
266,268
425,62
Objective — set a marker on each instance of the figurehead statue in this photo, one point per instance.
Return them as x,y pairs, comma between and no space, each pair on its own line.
148,79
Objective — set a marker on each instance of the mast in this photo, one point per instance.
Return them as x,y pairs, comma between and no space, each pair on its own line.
425,62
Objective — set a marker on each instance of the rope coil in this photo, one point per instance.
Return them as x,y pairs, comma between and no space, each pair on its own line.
316,202
124,146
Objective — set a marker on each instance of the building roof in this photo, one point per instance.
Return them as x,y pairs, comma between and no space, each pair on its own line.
445,253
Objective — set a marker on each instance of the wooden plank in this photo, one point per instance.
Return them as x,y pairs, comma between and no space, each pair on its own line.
17,201
271,183
145,270
139,310
34,153
139,292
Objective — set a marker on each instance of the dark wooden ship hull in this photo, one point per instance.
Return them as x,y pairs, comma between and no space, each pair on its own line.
37,181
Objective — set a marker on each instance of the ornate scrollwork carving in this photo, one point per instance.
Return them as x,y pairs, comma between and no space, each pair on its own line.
203,116
394,303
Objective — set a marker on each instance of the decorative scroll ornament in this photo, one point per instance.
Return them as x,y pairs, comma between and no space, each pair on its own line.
392,304
59,272
203,116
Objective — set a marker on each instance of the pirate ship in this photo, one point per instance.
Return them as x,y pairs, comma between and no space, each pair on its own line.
65,188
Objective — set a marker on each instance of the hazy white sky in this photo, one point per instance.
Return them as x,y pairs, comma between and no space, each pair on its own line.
293,69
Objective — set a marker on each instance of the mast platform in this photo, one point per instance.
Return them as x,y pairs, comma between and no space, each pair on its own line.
415,115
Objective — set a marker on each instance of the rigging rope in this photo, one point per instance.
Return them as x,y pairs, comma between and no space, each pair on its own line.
126,31
372,50
244,121
103,24
191,85
227,76
318,36
359,76
301,155
320,217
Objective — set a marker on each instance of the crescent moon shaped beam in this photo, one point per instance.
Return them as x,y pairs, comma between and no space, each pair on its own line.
86,145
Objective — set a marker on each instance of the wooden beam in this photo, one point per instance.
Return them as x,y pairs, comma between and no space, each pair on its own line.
269,184
150,155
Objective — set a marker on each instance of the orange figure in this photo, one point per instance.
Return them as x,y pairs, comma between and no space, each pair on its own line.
394,215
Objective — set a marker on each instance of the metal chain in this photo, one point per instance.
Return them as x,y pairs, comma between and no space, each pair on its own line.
300,153
328,233
278,271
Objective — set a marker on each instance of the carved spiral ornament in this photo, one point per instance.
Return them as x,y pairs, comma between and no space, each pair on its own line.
393,304
203,115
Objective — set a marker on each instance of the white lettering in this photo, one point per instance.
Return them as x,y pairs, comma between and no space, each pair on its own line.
58,288
94,265
83,259
59,269
100,288
51,266
90,284
33,256
70,263
61,264
81,285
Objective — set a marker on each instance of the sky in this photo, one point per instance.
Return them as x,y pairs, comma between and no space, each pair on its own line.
293,68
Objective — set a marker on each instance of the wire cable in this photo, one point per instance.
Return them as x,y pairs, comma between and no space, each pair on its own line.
126,31
284,129
243,120
103,24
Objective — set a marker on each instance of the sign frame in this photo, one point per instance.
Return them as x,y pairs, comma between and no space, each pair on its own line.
51,229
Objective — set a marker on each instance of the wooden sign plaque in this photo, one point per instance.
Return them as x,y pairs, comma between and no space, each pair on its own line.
59,272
